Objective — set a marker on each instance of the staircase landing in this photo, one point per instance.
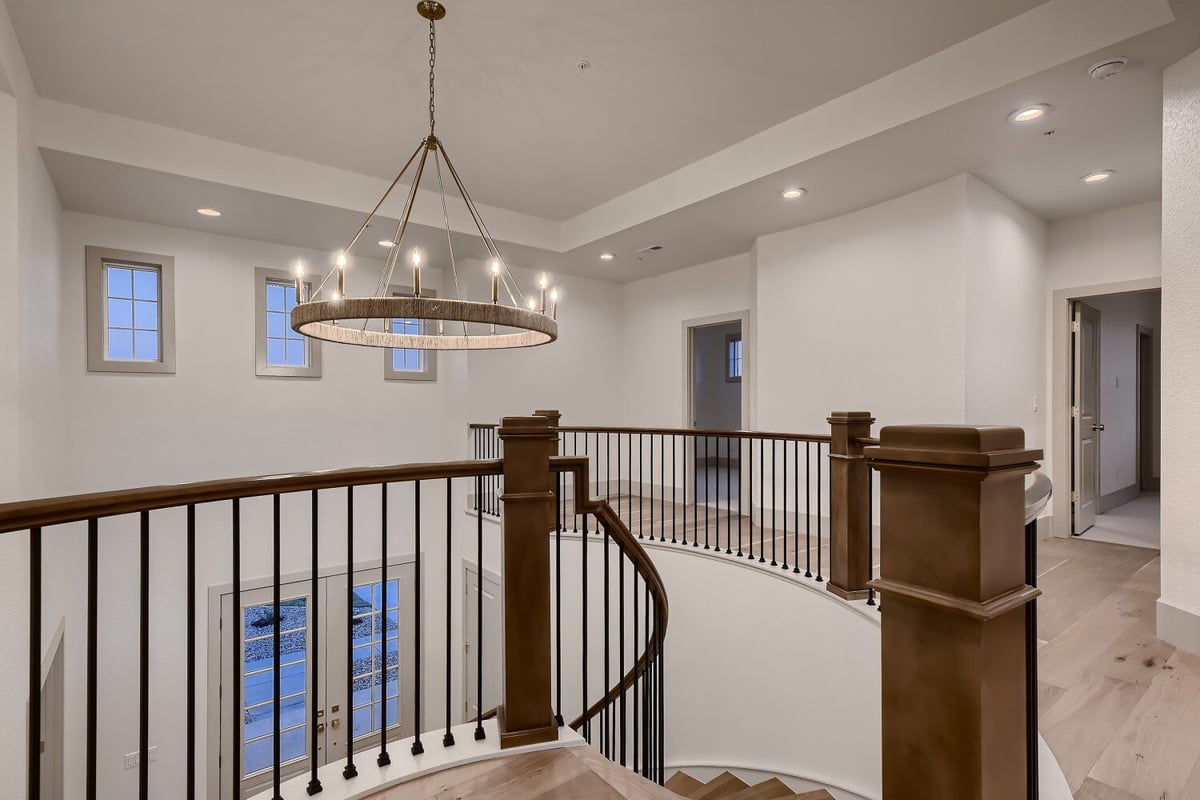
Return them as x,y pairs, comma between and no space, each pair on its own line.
565,773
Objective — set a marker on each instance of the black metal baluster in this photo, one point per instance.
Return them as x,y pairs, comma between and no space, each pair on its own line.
1031,665
33,746
417,747
646,750
750,496
695,493
558,483
739,497
674,507
796,505
277,650
350,771
383,759
819,578
785,499
762,500
619,506
774,506
662,484
93,629
650,529
583,544
634,688
621,643
641,485
871,539
448,737
314,663
190,735
807,510
605,719
728,496
237,714
479,732
706,495
144,665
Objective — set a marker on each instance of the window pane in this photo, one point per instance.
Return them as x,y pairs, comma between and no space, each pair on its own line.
145,345
145,284
276,352
145,315
120,282
289,297
120,314
274,296
120,345
275,326
295,353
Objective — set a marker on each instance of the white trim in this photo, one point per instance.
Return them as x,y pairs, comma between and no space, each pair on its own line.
1120,497
1178,626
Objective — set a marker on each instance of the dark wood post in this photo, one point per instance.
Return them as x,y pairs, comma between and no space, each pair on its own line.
849,505
526,715
952,515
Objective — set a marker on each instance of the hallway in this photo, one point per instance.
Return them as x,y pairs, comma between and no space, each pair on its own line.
1134,523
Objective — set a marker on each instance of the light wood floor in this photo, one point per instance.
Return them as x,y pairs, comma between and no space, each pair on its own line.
1119,708
565,773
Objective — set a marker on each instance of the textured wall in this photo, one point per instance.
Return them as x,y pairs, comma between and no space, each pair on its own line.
1179,618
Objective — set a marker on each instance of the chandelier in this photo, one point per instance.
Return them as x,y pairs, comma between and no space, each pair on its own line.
445,324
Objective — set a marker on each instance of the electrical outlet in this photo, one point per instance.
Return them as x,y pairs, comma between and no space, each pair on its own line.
134,760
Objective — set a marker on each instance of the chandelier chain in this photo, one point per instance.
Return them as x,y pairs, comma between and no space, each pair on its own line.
432,59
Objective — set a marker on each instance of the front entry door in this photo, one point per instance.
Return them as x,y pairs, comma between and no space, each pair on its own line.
1085,417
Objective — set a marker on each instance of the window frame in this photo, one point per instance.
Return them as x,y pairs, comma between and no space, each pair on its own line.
428,373
96,259
262,277
730,338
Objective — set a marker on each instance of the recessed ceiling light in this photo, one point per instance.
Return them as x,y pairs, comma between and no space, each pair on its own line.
607,256
1027,114
793,193
208,212
386,243
1098,177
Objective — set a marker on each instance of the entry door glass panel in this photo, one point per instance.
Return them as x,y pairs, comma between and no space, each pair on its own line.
259,684
376,657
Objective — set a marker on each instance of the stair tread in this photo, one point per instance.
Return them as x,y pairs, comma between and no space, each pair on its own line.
816,794
720,787
772,789
684,784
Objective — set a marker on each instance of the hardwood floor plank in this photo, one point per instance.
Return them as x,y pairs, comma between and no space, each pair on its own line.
1048,695
1095,790
1146,579
1081,725
1096,630
682,783
1156,750
1137,655
1070,590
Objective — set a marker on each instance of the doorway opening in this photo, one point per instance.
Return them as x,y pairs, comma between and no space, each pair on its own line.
1114,413
717,375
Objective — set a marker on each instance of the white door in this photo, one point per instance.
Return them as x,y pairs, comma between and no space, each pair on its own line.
472,640
1085,412
382,666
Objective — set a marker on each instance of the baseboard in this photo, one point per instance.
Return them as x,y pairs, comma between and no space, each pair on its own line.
1178,626
1118,498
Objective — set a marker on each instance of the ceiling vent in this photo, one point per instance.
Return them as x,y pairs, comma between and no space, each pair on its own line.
654,248
1108,68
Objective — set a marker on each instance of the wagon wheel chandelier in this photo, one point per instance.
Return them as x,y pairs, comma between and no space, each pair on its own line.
446,324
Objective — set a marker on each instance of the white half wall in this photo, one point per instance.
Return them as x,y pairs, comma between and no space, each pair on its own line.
1180,622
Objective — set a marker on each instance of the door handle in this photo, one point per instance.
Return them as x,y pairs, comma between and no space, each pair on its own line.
1097,427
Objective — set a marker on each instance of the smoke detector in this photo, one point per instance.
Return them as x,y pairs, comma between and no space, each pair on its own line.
1108,68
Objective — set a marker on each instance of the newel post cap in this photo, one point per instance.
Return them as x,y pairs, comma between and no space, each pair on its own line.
972,447
515,427
850,418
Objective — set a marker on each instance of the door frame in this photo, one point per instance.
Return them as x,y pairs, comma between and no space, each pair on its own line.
216,640
689,363
1058,400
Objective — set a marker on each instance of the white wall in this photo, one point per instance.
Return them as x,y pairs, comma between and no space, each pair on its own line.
1179,608
653,343
1120,316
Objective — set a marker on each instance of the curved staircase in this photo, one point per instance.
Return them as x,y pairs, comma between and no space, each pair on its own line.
728,786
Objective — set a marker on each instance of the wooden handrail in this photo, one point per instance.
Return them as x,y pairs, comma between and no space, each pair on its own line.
628,543
822,438
77,508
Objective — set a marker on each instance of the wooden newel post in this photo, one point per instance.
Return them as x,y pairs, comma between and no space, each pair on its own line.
525,715
849,505
952,532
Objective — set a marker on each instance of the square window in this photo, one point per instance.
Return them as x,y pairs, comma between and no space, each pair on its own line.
130,311
279,350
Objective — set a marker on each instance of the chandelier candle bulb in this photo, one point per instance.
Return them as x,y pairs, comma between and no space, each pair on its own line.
299,283
495,281
543,283
554,304
416,265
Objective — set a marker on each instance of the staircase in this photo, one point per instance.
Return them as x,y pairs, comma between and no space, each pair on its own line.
728,786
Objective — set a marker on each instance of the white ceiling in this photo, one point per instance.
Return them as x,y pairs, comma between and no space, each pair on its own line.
344,83
925,122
